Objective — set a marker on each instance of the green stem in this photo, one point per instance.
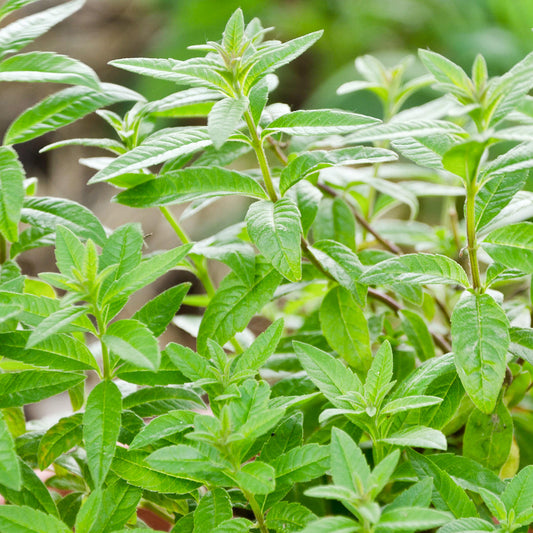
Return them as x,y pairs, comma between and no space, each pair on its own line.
259,150
471,236
257,511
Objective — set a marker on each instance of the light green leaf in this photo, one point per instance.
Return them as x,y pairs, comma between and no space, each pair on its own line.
257,477
287,435
213,509
328,374
467,525
60,438
426,151
518,494
13,5
233,32
488,437
345,328
447,495
56,323
446,72
288,517
335,221
50,212
23,519
512,246
480,339
18,34
159,147
332,524
9,465
59,351
276,230
301,464
224,118
349,468
163,426
11,192
418,437
403,518
272,57
379,375
235,303
416,268
101,426
190,184
409,403
29,386
65,107
234,525
48,67
319,122
133,342
132,467
418,334
518,158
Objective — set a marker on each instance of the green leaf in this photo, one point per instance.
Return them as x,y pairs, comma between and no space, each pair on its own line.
60,438
132,467
447,73
23,519
235,303
158,312
418,334
48,67
288,517
9,465
379,375
418,437
426,151
49,212
447,495
488,437
63,108
518,158
156,400
13,5
101,426
467,525
417,495
257,477
254,357
29,386
191,364
157,148
56,323
287,435
11,192
512,246
409,403
349,468
270,58
480,339
318,122
335,221
494,504
133,342
190,184
163,426
69,251
403,518
332,524
213,509
416,268
345,328
276,230
495,195
145,273
301,464
58,352
328,374
224,118
18,34
233,32
518,494
341,263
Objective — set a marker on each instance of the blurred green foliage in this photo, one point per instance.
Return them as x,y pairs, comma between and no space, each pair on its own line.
390,29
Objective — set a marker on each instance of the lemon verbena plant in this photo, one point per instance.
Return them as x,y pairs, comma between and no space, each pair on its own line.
387,386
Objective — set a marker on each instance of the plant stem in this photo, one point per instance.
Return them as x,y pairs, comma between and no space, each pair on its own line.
257,511
261,157
471,236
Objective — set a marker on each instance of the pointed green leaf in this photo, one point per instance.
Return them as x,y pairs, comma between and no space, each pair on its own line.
379,374
60,438
416,268
235,303
345,328
163,426
288,517
257,477
480,339
349,468
402,518
446,72
11,192
518,158
157,148
233,32
276,230
335,221
418,437
133,342
190,184
224,118
301,464
213,509
512,246
518,494
23,519
9,465
29,386
101,426
418,334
